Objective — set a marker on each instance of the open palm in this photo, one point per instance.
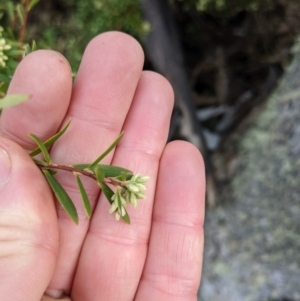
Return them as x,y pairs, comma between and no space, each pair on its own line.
158,256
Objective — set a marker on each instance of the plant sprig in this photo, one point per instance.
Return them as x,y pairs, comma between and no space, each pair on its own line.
119,185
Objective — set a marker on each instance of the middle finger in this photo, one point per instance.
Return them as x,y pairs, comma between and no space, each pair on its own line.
102,94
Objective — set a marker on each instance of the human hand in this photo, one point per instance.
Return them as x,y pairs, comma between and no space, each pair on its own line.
158,256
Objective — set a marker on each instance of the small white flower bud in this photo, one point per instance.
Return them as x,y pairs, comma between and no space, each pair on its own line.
132,187
135,177
113,207
141,195
144,179
123,201
117,216
2,63
141,187
133,200
123,211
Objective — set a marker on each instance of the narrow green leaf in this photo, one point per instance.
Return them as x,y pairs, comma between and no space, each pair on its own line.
110,148
33,45
53,172
20,11
62,196
80,166
10,10
33,3
108,192
85,199
99,173
114,171
109,171
51,140
12,100
42,147
126,218
27,49
40,162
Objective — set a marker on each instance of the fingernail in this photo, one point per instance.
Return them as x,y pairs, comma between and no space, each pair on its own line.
55,293
5,167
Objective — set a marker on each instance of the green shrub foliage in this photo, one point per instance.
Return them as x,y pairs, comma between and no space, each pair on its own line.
78,21
13,20
68,25
223,6
63,25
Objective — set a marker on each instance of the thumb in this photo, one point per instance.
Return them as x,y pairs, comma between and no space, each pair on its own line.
28,227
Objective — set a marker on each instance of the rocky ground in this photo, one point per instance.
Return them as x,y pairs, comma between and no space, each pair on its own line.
252,240
245,74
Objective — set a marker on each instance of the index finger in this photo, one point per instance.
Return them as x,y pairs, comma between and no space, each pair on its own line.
46,77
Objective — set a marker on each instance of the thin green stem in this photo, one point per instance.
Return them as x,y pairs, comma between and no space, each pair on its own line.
67,168
72,169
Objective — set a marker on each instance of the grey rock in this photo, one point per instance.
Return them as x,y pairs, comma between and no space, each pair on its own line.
252,238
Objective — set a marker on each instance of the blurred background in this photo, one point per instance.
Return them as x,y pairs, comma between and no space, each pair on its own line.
235,68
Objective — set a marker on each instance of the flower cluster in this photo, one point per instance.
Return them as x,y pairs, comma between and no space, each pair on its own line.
129,192
4,46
